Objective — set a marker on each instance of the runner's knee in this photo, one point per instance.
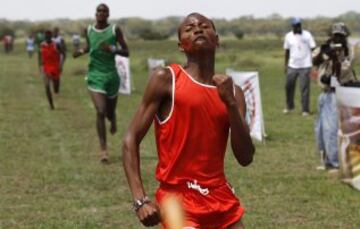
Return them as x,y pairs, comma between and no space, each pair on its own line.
101,113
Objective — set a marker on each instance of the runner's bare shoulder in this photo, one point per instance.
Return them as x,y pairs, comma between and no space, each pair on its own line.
161,75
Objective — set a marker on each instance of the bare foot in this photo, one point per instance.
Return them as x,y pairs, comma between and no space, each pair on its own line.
104,157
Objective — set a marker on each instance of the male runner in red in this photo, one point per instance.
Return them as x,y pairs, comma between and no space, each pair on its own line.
50,66
193,108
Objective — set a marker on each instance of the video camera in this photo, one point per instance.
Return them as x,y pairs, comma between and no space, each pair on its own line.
328,49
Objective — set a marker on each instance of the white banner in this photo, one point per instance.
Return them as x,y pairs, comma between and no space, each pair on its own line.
123,70
249,83
154,63
349,134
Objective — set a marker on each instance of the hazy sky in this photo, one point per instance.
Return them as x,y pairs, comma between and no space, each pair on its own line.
152,9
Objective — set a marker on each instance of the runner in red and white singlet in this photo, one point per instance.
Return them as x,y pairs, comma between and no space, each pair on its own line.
49,60
193,108
192,140
191,144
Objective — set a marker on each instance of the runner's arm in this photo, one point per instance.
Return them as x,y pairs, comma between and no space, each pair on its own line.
60,49
241,142
62,52
63,48
158,89
86,49
233,98
143,118
40,59
124,51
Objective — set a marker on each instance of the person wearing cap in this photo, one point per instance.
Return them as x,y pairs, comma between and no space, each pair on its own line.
336,51
298,45
334,63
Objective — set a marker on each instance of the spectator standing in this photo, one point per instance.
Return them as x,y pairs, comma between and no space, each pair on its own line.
334,62
298,45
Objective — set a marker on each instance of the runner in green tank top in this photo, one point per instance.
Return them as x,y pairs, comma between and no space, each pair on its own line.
102,78
102,75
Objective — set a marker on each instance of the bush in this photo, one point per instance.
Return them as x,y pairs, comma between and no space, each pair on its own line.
151,34
239,34
39,28
6,31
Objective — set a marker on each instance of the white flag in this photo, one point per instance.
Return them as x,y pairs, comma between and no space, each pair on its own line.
123,70
249,83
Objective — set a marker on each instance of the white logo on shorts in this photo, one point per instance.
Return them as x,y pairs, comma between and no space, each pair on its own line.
194,185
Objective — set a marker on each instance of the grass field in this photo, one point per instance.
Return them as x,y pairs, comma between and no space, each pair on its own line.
50,176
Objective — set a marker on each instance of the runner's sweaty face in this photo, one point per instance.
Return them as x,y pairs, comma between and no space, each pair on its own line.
197,33
102,13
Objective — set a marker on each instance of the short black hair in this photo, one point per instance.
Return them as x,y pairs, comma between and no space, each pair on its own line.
104,5
193,14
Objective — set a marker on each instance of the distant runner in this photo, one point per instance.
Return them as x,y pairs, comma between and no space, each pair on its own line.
30,45
49,60
102,78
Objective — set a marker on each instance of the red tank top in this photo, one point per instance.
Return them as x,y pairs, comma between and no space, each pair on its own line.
50,56
191,141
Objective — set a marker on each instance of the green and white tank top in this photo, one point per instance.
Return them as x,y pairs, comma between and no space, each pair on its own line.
101,61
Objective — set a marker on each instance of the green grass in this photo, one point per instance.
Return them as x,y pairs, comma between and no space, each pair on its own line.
50,176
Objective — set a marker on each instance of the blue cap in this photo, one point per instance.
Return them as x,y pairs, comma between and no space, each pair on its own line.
295,21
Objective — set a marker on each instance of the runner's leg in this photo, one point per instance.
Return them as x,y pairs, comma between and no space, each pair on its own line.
111,113
99,101
48,90
56,86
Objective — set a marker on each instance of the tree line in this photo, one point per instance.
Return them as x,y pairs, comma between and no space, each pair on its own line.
139,28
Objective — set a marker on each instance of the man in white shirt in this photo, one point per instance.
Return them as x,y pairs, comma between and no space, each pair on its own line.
60,41
298,45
